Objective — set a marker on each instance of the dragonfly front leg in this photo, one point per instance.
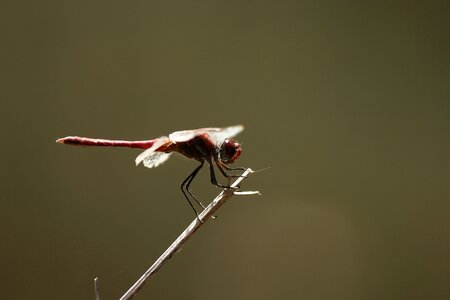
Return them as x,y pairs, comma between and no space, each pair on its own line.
221,165
213,175
231,169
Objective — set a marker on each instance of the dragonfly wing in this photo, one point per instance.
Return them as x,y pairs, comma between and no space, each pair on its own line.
217,134
151,158
184,135
220,134
155,159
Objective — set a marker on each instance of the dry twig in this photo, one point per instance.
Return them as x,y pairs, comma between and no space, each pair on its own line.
207,214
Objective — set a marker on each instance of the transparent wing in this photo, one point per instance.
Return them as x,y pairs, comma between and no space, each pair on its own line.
220,134
155,159
184,135
216,134
151,158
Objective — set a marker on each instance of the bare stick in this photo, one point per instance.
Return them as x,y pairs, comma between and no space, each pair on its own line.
207,214
97,295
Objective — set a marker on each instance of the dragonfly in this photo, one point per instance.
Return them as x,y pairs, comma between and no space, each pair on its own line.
215,146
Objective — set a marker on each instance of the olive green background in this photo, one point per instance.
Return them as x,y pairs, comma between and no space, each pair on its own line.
347,101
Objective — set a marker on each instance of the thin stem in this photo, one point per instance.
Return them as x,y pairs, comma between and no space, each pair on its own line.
186,234
97,295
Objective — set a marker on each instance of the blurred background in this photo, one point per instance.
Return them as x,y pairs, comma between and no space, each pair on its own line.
347,102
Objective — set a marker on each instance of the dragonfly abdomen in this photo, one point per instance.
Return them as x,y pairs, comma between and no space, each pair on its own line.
83,141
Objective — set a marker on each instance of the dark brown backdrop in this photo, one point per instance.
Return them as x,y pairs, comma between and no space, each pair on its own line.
346,101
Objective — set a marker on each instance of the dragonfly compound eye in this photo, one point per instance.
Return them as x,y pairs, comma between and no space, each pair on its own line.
229,151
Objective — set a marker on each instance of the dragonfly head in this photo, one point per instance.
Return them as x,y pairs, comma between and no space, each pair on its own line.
229,151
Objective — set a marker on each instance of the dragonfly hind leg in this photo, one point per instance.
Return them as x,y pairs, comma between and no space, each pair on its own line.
185,188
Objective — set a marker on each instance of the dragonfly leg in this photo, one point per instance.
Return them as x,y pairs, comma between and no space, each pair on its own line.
193,174
185,188
213,175
231,169
221,165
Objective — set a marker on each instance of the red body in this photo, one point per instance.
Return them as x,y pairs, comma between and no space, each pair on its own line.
199,147
199,144
213,145
83,141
